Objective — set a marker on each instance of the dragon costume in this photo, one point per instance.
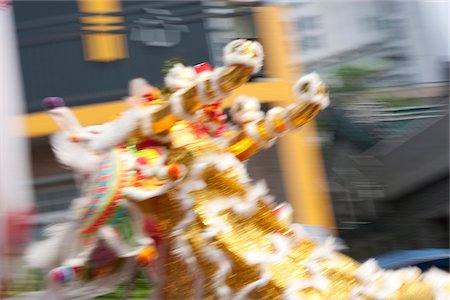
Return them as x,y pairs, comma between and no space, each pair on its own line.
174,164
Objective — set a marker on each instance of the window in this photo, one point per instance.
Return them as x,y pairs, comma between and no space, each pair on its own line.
312,42
310,23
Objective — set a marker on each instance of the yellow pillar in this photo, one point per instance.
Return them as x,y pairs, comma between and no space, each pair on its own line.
300,157
101,41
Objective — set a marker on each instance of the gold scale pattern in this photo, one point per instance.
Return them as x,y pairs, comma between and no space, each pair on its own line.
246,234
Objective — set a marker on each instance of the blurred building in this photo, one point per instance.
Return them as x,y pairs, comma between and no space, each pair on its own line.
55,60
406,41
386,160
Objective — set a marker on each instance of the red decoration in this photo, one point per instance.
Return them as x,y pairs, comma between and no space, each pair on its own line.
202,68
151,228
221,130
153,94
142,161
147,144
18,230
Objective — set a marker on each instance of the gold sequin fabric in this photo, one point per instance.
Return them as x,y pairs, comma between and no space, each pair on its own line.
220,241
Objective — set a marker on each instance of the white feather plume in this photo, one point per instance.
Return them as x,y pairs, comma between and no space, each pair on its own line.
65,119
49,252
116,132
234,54
75,156
180,76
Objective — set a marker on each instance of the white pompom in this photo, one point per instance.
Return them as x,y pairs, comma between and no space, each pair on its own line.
138,87
311,89
246,109
180,77
244,52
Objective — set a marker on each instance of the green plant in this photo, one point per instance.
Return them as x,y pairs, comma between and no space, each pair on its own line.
168,64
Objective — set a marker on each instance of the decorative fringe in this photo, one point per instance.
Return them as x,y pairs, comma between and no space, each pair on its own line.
138,87
116,132
75,156
234,53
97,287
176,102
201,88
440,283
311,89
65,119
51,251
180,77
182,248
246,109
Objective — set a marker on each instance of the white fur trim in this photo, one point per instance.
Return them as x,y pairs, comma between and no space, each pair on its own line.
215,76
76,156
439,281
275,113
180,77
201,90
282,245
122,249
380,284
366,272
252,131
284,212
139,194
249,116
116,132
293,287
65,118
146,121
317,280
260,282
310,96
89,290
217,225
222,162
286,113
233,55
220,258
175,101
245,207
49,252
182,248
246,109
138,87
325,251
